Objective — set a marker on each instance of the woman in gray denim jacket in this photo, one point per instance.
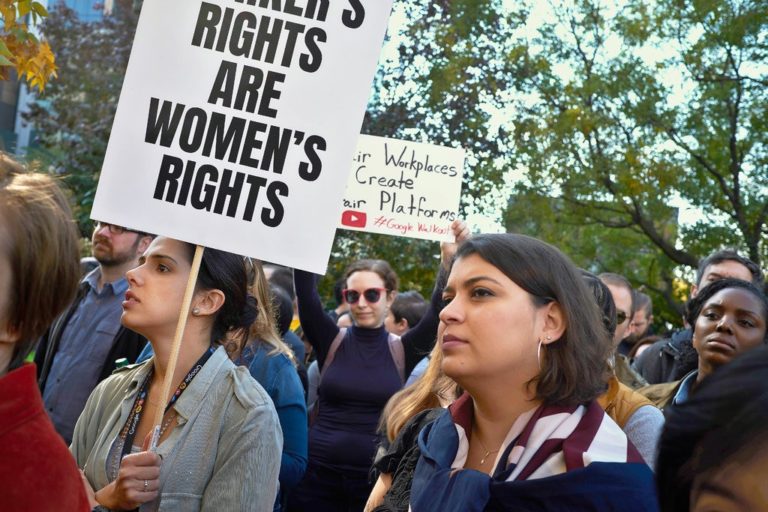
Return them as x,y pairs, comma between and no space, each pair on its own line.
220,439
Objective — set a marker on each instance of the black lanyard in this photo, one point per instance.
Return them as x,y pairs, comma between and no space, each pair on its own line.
128,432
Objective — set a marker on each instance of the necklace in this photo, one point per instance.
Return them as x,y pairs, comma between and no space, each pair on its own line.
486,450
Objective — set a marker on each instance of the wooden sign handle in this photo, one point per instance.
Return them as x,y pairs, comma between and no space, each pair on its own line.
171,369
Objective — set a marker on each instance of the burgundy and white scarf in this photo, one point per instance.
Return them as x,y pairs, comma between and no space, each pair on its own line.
548,440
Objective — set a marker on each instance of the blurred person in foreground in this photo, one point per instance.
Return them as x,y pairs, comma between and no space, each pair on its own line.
38,256
714,446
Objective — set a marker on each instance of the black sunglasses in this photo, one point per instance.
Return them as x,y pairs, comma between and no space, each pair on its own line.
372,295
621,317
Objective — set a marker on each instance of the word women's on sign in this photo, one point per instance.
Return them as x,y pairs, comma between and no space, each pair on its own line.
236,123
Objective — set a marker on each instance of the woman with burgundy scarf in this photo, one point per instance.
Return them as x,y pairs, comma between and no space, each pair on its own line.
522,335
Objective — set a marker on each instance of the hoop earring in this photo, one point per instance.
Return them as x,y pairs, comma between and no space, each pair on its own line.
538,354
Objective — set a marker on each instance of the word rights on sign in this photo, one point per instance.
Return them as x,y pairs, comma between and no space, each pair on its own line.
403,188
237,121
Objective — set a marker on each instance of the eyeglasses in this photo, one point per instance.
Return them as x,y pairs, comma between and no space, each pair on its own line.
113,228
372,295
621,317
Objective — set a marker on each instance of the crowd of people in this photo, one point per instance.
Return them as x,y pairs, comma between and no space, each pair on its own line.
522,383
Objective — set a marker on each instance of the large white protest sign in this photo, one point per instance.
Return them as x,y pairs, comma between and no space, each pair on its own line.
237,121
403,188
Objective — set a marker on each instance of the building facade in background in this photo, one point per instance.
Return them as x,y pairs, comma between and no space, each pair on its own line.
15,133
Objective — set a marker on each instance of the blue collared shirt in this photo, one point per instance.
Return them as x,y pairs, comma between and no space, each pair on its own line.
85,343
686,385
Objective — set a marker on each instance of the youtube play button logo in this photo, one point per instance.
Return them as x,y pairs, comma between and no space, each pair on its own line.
353,219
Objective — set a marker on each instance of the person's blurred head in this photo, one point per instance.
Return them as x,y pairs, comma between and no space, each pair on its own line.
643,317
39,262
713,448
338,295
282,277
344,320
728,316
371,286
623,298
87,264
726,263
221,304
642,345
406,311
283,308
516,309
265,327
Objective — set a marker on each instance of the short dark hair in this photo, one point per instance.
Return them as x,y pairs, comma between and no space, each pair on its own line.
574,367
42,249
729,255
612,279
724,420
380,267
409,305
694,306
221,270
643,301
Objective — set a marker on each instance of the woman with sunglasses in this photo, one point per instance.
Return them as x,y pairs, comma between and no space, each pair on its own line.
367,366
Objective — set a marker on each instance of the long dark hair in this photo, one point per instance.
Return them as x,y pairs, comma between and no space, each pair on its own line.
574,367
225,271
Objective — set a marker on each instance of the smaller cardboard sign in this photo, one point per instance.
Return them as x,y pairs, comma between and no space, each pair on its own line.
403,188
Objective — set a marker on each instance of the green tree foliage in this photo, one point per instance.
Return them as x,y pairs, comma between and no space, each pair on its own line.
624,112
619,114
73,119
598,249
442,87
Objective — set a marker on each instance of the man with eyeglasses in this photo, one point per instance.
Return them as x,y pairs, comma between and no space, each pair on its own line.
624,298
82,346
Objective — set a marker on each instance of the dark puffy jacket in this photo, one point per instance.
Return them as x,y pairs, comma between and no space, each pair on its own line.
669,359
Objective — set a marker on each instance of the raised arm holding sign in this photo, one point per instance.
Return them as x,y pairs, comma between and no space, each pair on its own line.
360,368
